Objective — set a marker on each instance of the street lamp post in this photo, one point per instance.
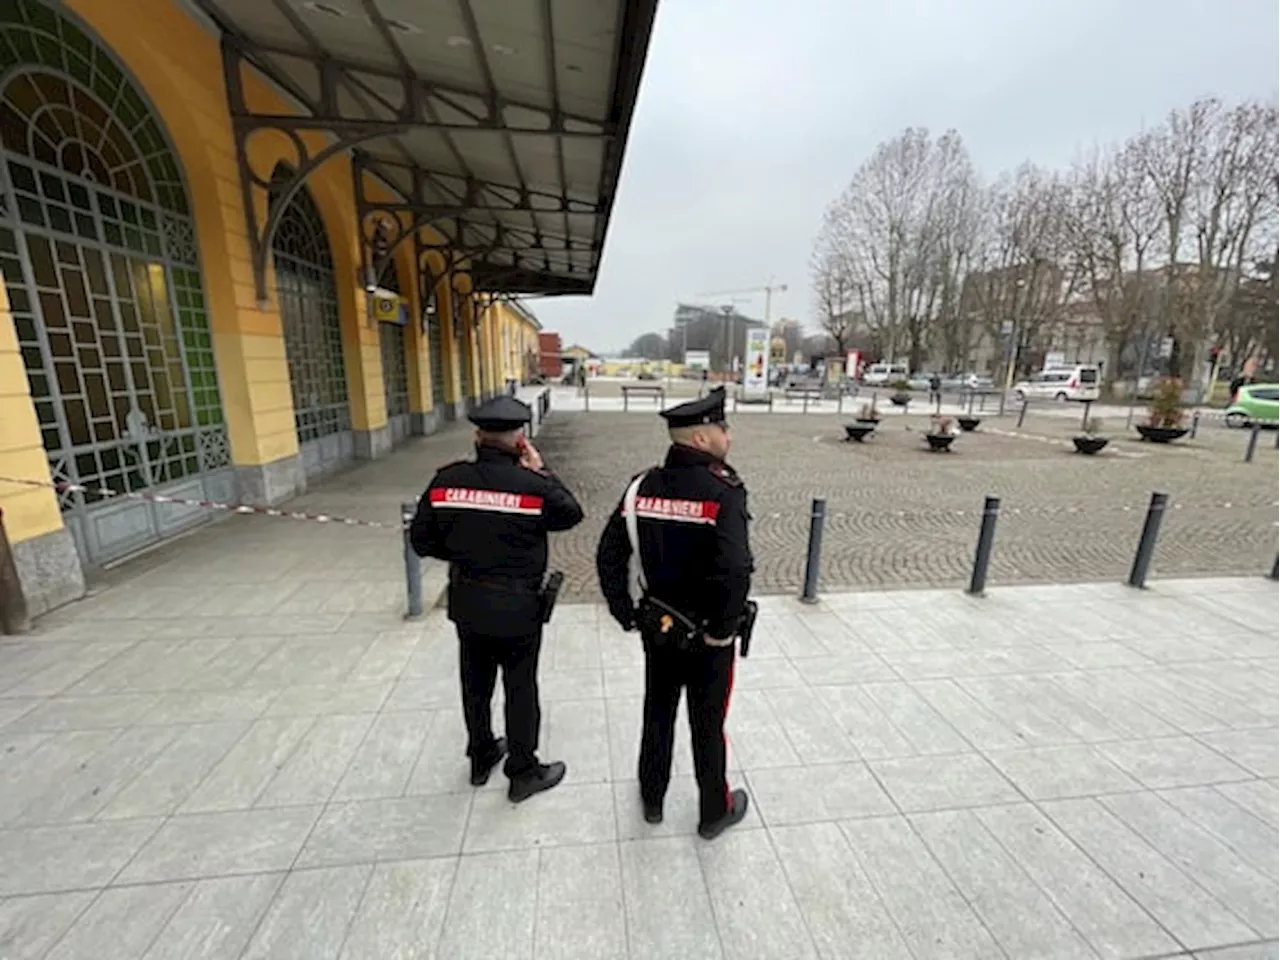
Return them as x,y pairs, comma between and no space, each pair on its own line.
727,310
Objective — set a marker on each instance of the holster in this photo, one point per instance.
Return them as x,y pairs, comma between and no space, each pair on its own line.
549,594
665,627
747,627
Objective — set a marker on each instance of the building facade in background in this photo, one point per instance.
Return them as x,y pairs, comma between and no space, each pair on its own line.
187,311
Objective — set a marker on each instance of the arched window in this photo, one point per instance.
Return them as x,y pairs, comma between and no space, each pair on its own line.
99,256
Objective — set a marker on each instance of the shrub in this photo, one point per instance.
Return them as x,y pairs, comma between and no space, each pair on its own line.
1165,409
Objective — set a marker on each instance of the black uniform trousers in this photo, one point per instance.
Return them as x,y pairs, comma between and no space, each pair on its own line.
480,657
707,677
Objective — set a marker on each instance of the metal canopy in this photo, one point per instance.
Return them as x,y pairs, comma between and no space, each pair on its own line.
499,123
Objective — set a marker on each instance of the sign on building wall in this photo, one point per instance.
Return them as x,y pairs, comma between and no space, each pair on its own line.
389,307
756,375
697,359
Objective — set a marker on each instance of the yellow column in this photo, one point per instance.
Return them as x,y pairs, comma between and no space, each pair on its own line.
491,371
28,512
417,360
468,353
449,362
49,572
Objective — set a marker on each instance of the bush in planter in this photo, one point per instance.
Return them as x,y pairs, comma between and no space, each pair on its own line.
941,426
1165,409
1165,413
941,434
868,413
901,393
1088,442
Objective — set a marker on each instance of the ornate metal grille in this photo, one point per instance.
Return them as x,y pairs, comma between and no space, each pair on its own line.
99,257
312,331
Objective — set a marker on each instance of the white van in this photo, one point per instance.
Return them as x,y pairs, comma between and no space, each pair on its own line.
879,374
1079,382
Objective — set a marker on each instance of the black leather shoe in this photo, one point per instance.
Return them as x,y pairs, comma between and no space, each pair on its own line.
652,812
735,813
481,767
543,777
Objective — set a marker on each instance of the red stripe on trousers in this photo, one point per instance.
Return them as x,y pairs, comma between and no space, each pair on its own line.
728,795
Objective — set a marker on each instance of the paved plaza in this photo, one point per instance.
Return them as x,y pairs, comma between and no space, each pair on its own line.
238,748
899,516
222,759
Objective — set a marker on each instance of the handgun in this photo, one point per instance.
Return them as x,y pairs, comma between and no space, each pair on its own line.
747,627
550,592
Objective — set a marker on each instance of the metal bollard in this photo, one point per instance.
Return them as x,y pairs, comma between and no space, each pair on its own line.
1252,448
1147,544
1023,412
1195,424
986,537
817,518
412,564
586,398
1084,420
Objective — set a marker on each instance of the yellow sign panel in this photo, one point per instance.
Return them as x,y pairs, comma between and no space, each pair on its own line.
386,307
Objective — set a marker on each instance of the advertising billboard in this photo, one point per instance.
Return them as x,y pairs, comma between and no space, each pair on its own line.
756,377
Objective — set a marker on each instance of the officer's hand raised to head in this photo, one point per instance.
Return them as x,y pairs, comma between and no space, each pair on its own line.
530,459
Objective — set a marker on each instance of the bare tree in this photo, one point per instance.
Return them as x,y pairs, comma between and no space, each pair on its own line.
898,235
833,290
649,346
1214,170
1024,276
1114,232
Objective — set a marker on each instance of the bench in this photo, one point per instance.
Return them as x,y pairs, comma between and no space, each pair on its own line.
659,394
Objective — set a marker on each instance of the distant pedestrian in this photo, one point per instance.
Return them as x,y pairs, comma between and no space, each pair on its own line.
935,388
1239,381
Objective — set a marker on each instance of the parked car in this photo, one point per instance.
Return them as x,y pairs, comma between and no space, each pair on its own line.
1061,384
879,374
1254,403
920,381
967,381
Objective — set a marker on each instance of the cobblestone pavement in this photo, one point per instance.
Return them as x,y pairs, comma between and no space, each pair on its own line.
240,757
898,516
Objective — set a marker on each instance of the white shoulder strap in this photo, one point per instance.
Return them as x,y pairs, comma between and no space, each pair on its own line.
637,583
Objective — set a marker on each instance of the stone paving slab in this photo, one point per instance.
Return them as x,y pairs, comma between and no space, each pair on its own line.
1072,771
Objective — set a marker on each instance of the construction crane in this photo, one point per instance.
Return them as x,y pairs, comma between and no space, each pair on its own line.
767,290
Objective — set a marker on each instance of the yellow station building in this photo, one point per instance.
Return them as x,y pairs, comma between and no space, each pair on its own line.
246,242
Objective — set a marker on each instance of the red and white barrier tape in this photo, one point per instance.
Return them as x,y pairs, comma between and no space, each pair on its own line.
239,508
250,509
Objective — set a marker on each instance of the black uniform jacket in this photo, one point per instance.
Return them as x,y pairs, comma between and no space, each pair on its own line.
489,518
692,520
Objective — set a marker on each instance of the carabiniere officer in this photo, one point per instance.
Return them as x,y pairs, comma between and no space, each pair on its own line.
489,518
694,574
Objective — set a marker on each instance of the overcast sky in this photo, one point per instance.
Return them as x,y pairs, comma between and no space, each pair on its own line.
753,114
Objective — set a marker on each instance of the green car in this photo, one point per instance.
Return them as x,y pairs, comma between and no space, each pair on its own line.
1255,403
